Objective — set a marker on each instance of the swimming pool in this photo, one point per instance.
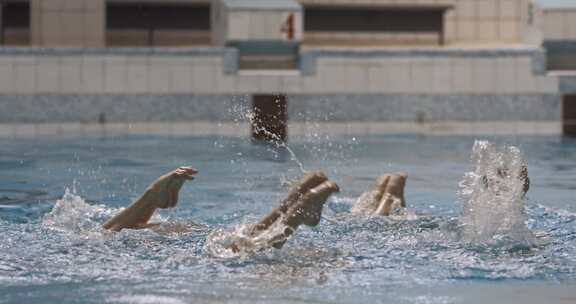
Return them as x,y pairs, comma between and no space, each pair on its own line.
61,255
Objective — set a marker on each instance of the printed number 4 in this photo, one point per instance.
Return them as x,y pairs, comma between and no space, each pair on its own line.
288,27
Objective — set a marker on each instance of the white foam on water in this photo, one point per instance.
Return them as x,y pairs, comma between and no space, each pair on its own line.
493,203
367,203
146,299
73,214
220,241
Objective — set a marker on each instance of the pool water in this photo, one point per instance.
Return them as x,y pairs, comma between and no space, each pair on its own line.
54,194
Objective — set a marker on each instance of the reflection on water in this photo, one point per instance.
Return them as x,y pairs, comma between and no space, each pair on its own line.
54,250
17,196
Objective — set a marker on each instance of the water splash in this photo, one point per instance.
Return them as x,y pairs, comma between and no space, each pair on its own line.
241,112
493,197
219,243
278,142
72,214
365,203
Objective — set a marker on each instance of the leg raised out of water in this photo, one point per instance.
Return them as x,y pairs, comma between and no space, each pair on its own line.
303,206
306,211
162,193
304,185
388,193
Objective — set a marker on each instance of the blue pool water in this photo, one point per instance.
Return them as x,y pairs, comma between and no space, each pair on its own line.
61,255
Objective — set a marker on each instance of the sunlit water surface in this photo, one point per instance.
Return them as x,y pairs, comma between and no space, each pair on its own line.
59,254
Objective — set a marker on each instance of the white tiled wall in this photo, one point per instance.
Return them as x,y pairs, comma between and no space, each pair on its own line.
93,74
398,76
137,74
505,76
143,74
78,23
115,69
444,75
421,75
160,76
182,77
70,73
486,21
24,76
441,76
462,81
560,24
483,72
204,77
47,75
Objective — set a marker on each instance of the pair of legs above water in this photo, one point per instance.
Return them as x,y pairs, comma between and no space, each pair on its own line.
303,206
387,196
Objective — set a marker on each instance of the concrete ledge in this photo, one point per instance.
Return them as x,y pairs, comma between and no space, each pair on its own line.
301,107
309,56
424,107
424,52
295,130
48,108
160,51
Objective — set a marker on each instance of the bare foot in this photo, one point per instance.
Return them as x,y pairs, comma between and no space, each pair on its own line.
388,192
308,209
303,205
307,182
162,193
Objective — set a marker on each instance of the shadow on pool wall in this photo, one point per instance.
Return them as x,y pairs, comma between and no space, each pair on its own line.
329,113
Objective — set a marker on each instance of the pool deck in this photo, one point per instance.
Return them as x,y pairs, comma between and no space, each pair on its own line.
242,129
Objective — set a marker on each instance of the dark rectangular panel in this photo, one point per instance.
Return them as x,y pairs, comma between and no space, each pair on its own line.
270,117
352,19
158,16
569,115
16,15
561,54
15,23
